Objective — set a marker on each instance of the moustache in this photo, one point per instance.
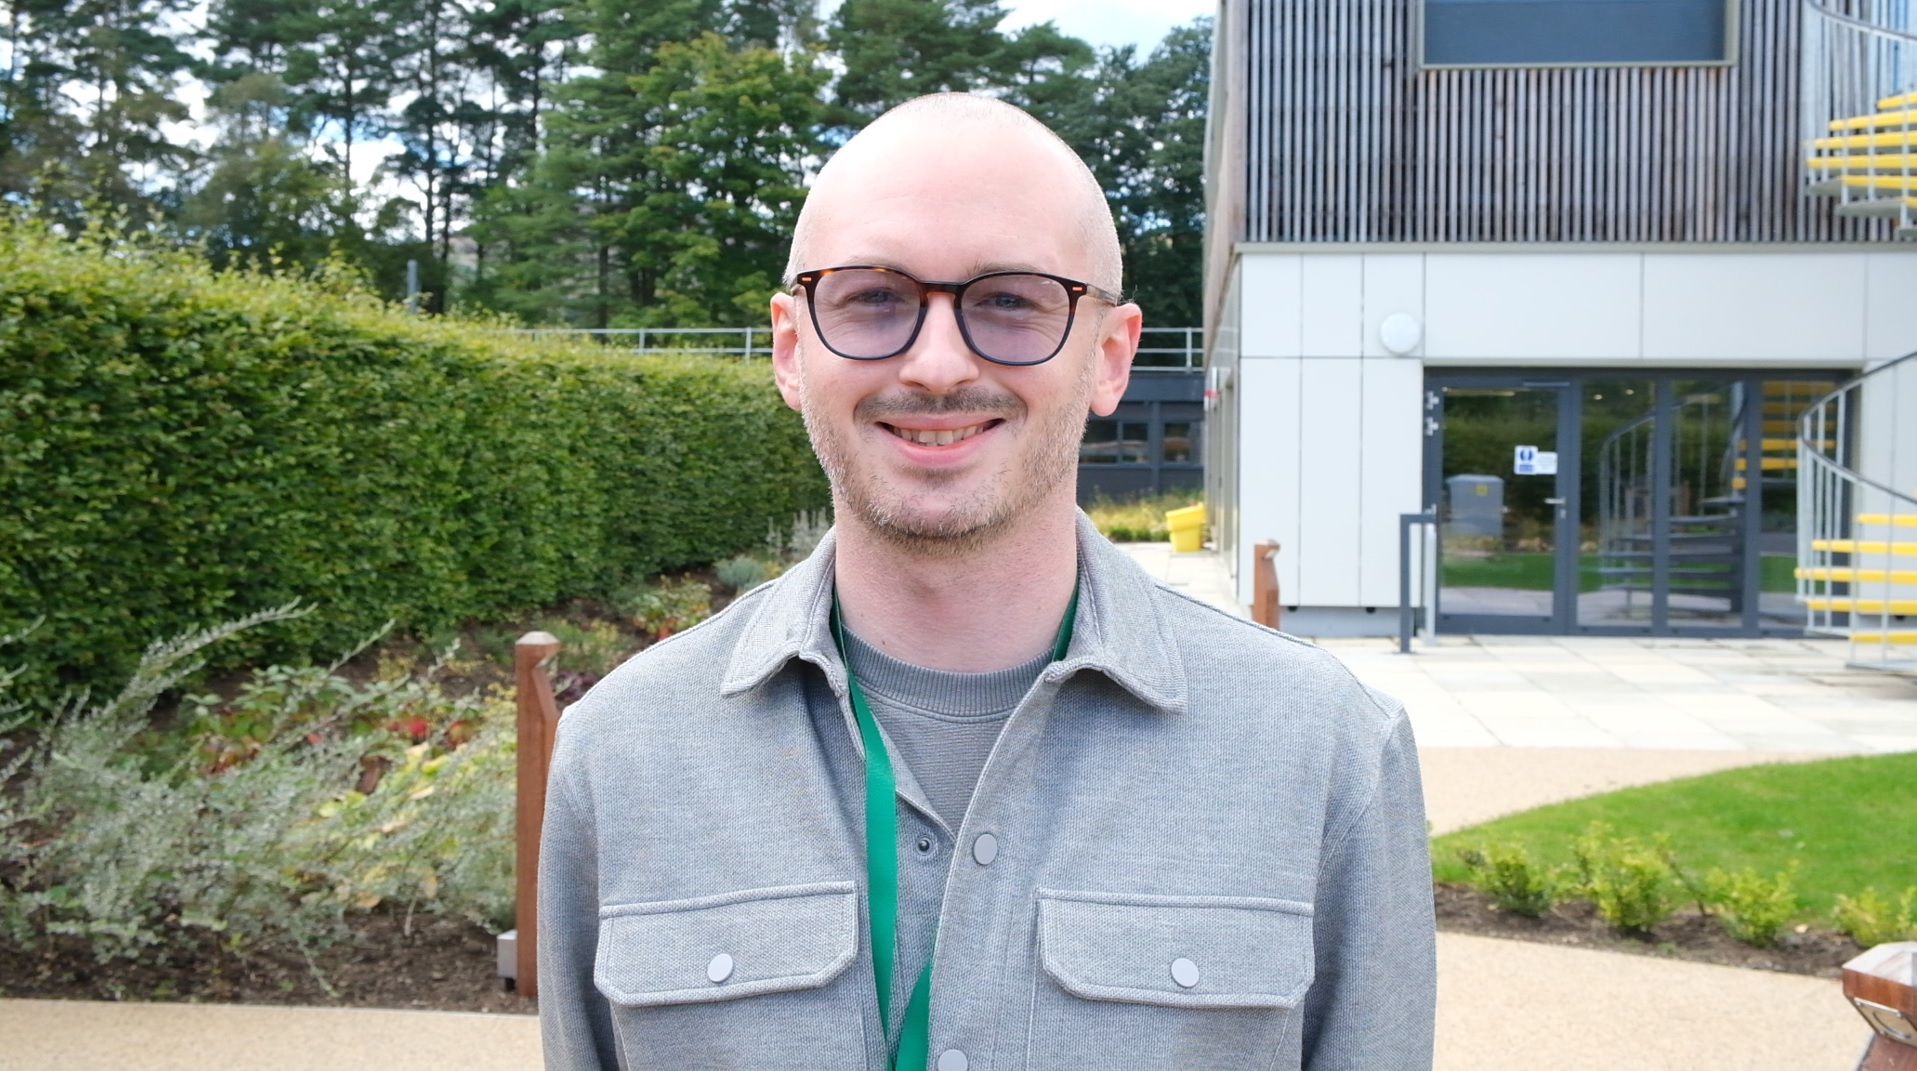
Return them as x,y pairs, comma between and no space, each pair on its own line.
981,401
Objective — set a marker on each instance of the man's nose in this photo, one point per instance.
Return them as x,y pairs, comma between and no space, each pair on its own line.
938,360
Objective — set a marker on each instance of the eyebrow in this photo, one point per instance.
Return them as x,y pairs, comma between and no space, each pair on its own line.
977,268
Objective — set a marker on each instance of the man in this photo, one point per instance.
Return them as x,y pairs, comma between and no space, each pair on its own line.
1086,823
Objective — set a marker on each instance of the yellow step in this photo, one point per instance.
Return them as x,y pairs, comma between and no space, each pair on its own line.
1873,122
1906,549
1902,100
1846,575
1803,387
1771,464
1897,637
1767,444
1737,483
1874,162
1788,427
1901,520
1899,139
1864,606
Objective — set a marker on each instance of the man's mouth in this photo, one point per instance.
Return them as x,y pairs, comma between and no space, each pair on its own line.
938,436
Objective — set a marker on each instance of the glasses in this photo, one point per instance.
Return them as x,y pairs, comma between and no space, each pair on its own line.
869,313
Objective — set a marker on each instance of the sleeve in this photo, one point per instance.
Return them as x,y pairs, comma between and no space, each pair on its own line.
575,1021
1372,1005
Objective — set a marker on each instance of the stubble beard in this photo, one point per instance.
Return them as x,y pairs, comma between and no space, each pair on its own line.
980,517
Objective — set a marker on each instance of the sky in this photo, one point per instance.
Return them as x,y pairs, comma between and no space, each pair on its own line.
1107,22
1099,22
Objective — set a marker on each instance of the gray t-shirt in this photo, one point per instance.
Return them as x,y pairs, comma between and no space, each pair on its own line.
942,724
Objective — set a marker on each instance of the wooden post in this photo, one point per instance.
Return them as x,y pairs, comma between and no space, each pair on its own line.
538,721
1882,986
1264,584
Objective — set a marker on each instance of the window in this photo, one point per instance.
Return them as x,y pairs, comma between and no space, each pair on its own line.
1530,32
1115,442
1180,441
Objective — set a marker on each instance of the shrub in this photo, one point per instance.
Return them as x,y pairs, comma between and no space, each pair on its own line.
741,574
1870,919
178,446
1752,908
667,606
1630,884
141,851
1507,874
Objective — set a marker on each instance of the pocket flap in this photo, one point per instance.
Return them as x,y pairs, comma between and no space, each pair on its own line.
1177,951
723,947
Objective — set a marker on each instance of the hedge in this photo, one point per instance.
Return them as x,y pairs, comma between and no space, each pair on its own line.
180,447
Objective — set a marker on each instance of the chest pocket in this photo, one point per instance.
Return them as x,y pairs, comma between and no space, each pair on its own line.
1192,982
749,979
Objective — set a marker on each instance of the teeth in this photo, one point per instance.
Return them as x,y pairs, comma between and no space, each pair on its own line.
944,437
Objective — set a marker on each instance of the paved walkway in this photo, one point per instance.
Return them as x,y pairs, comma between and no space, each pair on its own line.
1506,724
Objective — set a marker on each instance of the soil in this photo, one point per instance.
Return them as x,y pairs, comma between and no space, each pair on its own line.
1688,935
442,964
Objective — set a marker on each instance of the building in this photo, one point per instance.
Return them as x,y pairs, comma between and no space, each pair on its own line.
1555,272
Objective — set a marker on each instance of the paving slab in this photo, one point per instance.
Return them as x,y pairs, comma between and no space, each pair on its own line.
78,1035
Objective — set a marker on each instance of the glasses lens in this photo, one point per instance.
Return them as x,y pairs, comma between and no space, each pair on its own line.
1016,318
865,312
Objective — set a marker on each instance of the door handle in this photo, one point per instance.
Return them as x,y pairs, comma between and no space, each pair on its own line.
1554,502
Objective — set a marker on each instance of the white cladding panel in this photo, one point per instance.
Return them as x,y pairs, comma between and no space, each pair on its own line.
1329,503
1271,456
1890,305
1331,441
1394,283
1331,306
1532,307
1268,296
1740,307
1392,459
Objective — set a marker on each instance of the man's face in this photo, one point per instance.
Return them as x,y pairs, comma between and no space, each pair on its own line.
937,448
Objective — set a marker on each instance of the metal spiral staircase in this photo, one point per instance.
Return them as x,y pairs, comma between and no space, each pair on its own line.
1860,107
1857,517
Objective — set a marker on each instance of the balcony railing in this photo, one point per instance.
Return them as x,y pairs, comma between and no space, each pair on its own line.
1860,107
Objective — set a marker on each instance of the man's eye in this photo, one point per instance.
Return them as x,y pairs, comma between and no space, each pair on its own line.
874,298
1003,301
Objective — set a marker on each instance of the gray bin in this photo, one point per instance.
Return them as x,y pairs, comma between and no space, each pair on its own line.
1477,505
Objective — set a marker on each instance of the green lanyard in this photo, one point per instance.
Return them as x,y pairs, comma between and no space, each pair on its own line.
882,857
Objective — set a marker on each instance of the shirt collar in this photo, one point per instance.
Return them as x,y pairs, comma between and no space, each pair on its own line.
1119,632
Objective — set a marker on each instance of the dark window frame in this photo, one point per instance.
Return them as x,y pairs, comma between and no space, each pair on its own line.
1733,10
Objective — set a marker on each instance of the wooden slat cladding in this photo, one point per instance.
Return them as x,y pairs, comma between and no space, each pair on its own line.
1349,141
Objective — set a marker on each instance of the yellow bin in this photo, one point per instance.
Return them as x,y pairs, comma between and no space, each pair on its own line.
1185,525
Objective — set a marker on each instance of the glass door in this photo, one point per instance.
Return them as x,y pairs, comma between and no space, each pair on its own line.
1501,468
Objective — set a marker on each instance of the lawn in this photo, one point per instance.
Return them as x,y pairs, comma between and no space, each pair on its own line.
1850,822
1532,572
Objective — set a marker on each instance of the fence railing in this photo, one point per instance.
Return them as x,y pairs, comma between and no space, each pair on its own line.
1160,349
1857,516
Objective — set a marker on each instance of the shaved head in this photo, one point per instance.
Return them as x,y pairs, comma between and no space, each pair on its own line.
948,132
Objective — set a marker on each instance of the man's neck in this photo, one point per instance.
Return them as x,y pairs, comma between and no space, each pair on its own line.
996,606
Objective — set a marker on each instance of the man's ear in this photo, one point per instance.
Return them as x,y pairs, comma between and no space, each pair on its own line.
1117,345
785,347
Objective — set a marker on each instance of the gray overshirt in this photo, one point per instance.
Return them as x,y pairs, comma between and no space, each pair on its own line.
1182,788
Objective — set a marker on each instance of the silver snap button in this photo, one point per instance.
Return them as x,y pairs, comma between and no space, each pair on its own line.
984,849
719,969
953,1060
1184,972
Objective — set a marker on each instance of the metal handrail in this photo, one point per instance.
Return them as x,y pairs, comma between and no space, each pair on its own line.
1836,577
1822,8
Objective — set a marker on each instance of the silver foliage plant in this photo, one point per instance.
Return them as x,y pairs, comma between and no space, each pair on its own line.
104,838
